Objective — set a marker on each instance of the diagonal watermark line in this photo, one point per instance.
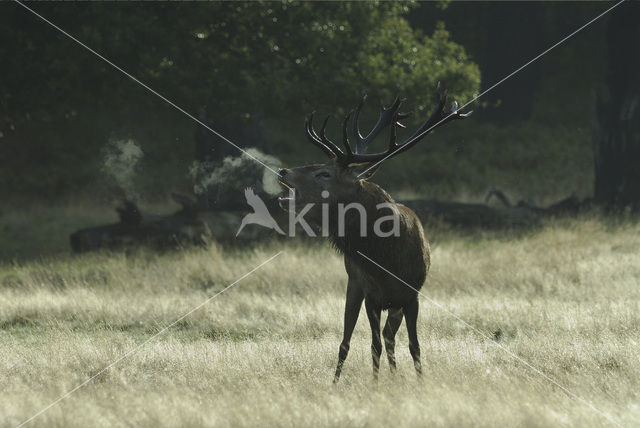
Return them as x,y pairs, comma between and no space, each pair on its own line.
522,67
484,335
148,88
137,347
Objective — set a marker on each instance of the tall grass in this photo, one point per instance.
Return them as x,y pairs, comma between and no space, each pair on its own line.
565,298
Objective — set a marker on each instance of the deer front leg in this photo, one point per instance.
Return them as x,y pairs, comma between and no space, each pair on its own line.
351,312
373,312
394,319
411,318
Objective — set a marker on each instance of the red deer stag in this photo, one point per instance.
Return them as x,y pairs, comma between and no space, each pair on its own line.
343,181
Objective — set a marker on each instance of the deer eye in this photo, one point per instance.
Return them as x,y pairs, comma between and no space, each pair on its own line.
323,175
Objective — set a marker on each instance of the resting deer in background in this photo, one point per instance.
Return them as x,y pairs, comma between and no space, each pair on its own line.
343,180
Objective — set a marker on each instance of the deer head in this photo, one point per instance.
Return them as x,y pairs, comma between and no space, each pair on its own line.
338,179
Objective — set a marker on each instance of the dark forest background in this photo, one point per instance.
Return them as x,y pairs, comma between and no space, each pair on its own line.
566,124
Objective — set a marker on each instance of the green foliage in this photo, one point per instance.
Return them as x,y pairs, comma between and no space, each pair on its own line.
250,64
462,161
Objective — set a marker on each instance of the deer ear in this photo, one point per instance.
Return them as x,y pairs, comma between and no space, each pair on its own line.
363,171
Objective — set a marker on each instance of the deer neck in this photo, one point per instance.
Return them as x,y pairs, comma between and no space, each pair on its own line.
368,195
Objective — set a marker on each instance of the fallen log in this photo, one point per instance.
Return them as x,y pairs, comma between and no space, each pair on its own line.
485,216
188,226
193,226
472,215
135,228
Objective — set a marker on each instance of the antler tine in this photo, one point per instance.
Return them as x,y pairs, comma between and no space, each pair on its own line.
401,116
392,137
438,118
392,116
323,136
327,147
434,117
388,116
308,127
356,126
345,136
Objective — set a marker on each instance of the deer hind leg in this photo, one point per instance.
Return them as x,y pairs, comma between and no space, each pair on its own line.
373,312
411,318
394,319
351,312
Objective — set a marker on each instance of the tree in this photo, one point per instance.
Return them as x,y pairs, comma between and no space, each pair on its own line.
617,133
500,36
251,66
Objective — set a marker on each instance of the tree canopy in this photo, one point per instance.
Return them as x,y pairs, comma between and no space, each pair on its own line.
248,64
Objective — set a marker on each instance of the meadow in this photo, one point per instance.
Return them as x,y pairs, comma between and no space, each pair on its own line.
564,297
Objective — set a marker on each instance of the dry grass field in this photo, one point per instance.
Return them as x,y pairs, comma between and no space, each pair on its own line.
565,298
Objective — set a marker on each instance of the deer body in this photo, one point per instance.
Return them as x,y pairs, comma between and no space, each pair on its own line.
385,271
406,255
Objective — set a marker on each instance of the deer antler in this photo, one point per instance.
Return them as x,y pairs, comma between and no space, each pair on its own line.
329,148
389,117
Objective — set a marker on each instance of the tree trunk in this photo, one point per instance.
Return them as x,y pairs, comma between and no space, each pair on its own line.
617,133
